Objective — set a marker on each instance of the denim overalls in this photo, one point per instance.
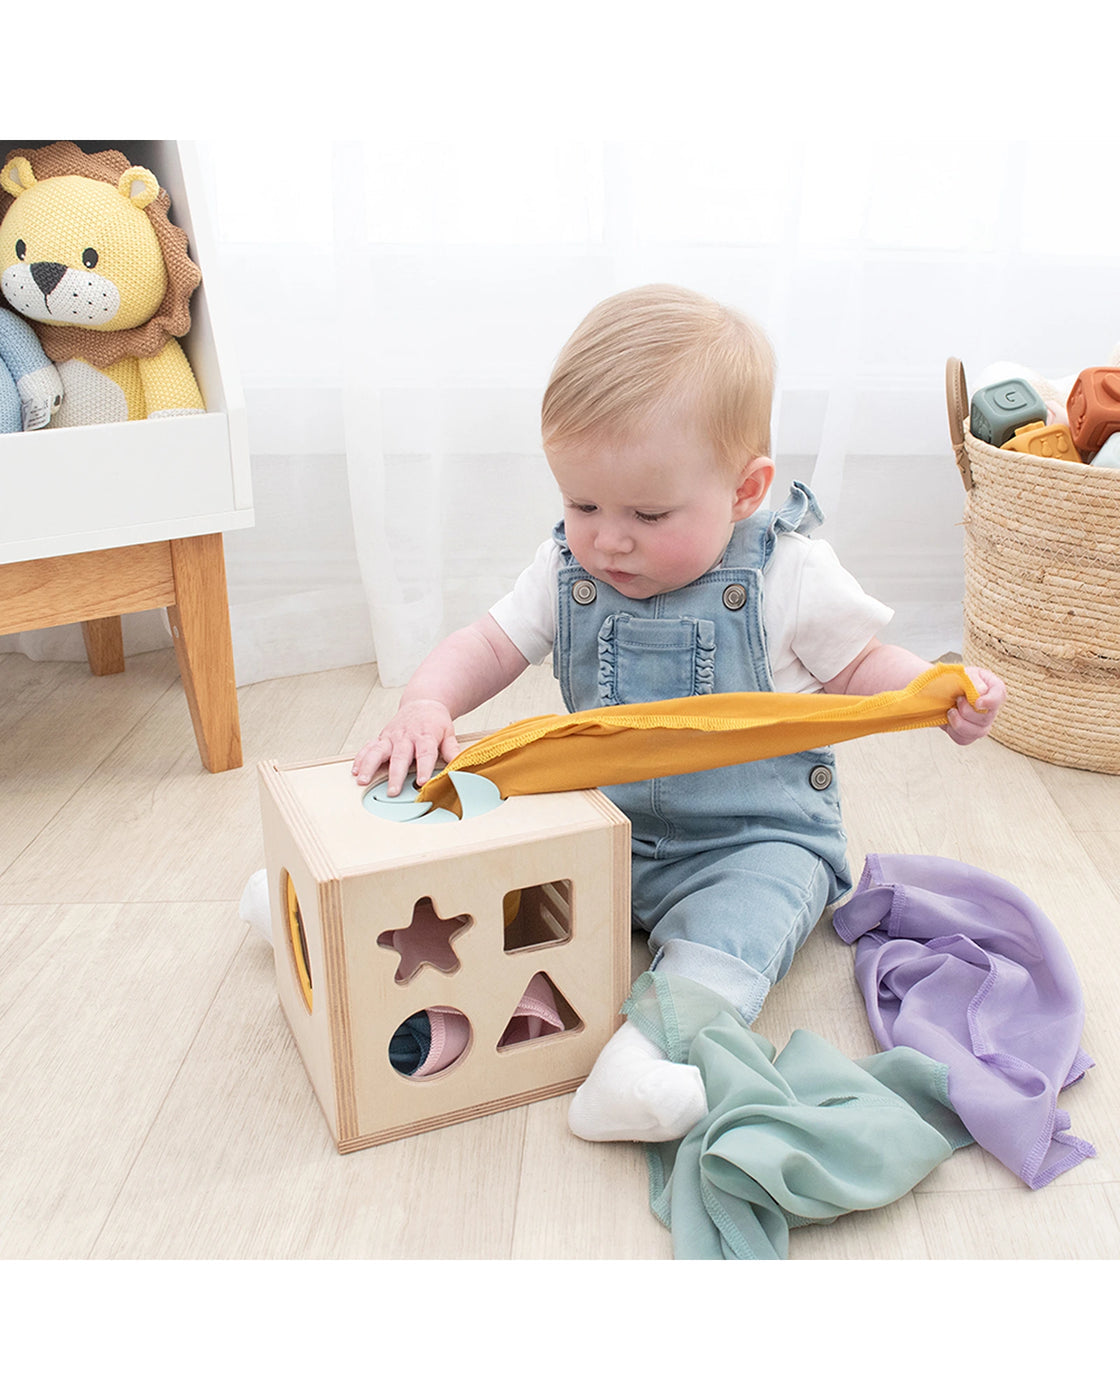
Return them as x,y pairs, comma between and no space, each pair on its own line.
731,867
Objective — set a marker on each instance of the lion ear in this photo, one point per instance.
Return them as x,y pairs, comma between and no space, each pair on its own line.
139,186
17,177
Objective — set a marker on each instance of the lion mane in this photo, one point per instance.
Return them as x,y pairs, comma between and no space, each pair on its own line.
172,319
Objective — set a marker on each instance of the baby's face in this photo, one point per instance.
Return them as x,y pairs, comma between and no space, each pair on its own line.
651,513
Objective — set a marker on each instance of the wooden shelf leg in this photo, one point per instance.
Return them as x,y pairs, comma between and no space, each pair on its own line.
199,620
104,645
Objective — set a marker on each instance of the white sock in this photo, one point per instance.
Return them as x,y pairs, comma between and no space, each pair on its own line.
254,907
634,1093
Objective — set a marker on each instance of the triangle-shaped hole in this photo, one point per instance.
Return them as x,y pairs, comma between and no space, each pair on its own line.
542,1011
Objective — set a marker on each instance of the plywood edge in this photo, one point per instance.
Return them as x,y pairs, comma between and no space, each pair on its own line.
335,985
462,1115
321,867
311,763
602,803
338,1007
621,917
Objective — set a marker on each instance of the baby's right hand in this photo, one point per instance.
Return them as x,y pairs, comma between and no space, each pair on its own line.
421,732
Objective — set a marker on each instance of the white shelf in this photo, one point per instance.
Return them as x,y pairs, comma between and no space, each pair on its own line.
69,490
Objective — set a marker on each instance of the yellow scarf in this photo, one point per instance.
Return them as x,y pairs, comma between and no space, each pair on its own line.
626,743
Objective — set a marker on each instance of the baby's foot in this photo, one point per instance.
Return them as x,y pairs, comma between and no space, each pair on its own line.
635,1094
254,907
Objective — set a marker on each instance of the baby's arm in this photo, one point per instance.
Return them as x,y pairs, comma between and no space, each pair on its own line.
466,669
879,667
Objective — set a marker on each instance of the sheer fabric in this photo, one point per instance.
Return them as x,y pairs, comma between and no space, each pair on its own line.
793,1137
961,965
395,308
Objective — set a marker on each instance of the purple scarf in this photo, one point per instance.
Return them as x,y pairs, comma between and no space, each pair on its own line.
961,965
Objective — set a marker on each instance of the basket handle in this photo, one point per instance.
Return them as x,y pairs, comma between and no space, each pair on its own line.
956,395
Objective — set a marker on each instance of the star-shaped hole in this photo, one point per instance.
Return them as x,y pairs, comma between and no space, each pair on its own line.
426,940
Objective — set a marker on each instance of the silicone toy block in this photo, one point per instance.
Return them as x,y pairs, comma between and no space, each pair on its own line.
500,938
1094,407
998,411
1041,440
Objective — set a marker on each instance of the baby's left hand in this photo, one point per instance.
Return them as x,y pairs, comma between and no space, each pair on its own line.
967,723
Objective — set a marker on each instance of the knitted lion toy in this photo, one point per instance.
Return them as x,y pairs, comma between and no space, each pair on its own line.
87,251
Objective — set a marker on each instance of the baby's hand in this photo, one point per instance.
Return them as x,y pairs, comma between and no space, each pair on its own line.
420,732
967,723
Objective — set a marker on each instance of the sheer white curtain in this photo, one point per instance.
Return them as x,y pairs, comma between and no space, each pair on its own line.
396,308
868,266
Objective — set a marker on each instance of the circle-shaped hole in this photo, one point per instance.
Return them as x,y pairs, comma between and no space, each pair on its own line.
471,796
429,1042
297,939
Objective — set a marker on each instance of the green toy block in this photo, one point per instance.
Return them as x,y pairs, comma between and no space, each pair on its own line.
998,411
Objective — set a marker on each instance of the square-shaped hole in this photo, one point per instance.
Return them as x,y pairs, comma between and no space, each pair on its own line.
543,916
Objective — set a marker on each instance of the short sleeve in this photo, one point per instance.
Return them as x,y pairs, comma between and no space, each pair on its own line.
527,613
818,616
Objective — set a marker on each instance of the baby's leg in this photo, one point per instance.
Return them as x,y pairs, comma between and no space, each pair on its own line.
731,921
734,919
254,907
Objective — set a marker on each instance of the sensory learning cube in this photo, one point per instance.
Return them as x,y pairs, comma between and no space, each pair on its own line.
1042,440
1094,407
998,411
494,947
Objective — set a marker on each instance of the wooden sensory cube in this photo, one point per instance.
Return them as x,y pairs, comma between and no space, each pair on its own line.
537,887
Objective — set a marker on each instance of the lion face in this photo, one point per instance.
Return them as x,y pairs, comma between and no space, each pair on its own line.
81,252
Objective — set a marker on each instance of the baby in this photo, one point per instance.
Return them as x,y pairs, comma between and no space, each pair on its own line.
665,579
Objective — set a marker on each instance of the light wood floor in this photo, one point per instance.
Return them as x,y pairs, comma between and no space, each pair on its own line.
152,1103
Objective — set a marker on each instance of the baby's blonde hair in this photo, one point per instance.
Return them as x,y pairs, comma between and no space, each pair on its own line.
660,345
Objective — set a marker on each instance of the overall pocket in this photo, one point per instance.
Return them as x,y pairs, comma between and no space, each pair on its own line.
655,658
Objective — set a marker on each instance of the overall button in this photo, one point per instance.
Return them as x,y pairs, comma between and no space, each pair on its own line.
820,778
583,591
734,596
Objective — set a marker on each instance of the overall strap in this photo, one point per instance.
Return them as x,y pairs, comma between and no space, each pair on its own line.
799,513
753,540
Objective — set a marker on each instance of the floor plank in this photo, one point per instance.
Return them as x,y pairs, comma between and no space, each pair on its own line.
1082,1222
58,724
154,1104
101,1006
153,824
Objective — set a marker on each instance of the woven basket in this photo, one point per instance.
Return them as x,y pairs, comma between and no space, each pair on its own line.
1042,593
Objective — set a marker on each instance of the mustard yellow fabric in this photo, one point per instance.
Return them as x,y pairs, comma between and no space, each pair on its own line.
626,743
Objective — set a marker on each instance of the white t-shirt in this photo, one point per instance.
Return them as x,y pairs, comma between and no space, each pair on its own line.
816,615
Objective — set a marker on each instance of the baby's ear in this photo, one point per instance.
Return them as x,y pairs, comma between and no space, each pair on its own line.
754,482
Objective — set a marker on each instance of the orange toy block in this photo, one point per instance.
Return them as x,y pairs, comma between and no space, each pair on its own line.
377,921
1094,407
1045,440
